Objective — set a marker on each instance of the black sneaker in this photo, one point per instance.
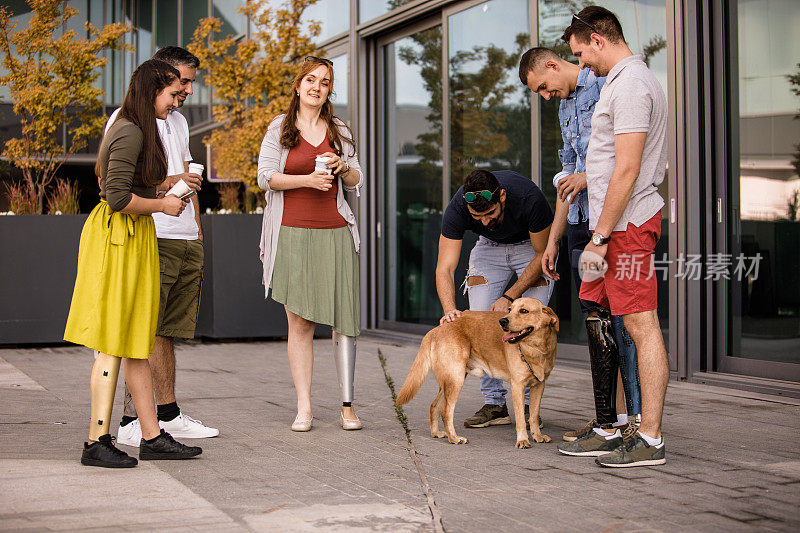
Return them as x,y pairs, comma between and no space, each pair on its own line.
167,448
489,415
103,453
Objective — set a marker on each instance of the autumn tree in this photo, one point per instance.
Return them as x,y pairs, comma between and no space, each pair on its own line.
251,79
51,77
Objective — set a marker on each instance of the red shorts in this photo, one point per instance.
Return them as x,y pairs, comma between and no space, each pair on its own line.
629,284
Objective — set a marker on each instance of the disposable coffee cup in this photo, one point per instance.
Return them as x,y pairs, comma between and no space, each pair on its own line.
320,162
196,168
180,189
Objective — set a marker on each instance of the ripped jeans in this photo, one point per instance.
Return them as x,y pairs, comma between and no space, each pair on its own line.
496,263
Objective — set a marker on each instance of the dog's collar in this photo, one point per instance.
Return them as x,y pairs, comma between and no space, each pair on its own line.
522,356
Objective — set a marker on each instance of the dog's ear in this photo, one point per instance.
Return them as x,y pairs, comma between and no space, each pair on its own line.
553,317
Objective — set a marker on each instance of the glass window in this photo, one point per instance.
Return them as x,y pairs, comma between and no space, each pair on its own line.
764,187
334,15
644,23
166,24
227,11
193,11
339,97
369,9
412,167
144,29
196,108
489,108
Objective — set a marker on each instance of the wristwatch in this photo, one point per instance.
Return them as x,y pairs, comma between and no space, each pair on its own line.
599,240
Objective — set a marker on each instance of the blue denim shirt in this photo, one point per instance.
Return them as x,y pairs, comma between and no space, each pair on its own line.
575,119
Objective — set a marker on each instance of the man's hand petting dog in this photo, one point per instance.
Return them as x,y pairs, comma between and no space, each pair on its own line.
450,316
482,342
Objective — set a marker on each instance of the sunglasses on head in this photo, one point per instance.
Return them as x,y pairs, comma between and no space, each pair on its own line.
320,59
576,17
470,197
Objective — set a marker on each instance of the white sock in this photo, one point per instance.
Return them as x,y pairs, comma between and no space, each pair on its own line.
658,443
621,420
604,433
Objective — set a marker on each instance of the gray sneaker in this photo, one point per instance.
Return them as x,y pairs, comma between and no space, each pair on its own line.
634,452
489,415
590,444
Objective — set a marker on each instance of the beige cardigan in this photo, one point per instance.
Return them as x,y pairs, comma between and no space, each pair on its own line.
271,160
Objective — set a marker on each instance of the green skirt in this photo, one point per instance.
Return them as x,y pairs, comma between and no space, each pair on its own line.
316,277
114,306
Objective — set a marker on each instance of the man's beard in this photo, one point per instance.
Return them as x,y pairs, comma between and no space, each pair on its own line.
496,222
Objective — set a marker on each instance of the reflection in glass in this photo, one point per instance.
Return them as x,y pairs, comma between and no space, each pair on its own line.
412,133
333,15
644,23
489,109
765,301
369,9
339,97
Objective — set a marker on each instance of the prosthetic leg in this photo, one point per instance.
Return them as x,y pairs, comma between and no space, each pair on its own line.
100,450
604,358
629,369
103,385
344,352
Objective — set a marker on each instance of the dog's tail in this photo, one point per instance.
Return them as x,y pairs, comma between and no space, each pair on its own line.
419,370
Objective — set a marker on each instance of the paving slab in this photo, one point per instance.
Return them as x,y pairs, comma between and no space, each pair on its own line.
259,476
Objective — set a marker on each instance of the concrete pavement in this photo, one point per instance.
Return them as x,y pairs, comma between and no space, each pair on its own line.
733,459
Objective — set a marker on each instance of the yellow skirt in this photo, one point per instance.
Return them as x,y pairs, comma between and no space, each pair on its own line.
114,306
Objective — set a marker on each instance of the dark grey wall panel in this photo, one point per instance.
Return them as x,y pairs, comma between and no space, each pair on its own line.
38,264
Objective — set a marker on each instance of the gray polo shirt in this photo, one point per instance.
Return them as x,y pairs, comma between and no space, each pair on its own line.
631,101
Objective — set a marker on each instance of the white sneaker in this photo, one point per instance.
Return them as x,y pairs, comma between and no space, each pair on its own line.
130,435
186,427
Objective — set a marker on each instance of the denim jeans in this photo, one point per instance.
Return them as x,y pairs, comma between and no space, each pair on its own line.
497,263
577,239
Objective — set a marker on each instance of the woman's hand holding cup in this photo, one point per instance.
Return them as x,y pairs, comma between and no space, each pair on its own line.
320,180
334,163
172,205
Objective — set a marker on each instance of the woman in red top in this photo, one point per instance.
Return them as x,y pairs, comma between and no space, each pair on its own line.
313,268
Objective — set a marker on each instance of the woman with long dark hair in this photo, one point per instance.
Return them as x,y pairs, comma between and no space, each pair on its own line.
309,238
115,302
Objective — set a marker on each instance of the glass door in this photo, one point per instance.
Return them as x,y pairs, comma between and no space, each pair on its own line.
760,261
410,125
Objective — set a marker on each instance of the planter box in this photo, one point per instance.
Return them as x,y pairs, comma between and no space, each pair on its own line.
39,261
232,304
38,264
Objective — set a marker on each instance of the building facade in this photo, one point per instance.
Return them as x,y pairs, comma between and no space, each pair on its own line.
430,89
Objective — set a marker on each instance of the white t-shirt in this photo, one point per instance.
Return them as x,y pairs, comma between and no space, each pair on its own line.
174,132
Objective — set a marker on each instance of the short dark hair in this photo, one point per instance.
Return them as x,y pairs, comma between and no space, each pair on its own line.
482,180
177,57
534,59
603,21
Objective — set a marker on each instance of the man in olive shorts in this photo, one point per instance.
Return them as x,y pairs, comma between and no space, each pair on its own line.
180,250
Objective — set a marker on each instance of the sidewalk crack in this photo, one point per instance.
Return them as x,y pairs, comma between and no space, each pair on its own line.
436,516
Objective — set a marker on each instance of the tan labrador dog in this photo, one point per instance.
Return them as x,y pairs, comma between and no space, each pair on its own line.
476,344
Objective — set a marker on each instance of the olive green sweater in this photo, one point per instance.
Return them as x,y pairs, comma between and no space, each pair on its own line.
120,157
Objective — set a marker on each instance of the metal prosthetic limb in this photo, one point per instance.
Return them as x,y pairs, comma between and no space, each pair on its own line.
604,358
628,365
103,385
344,352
